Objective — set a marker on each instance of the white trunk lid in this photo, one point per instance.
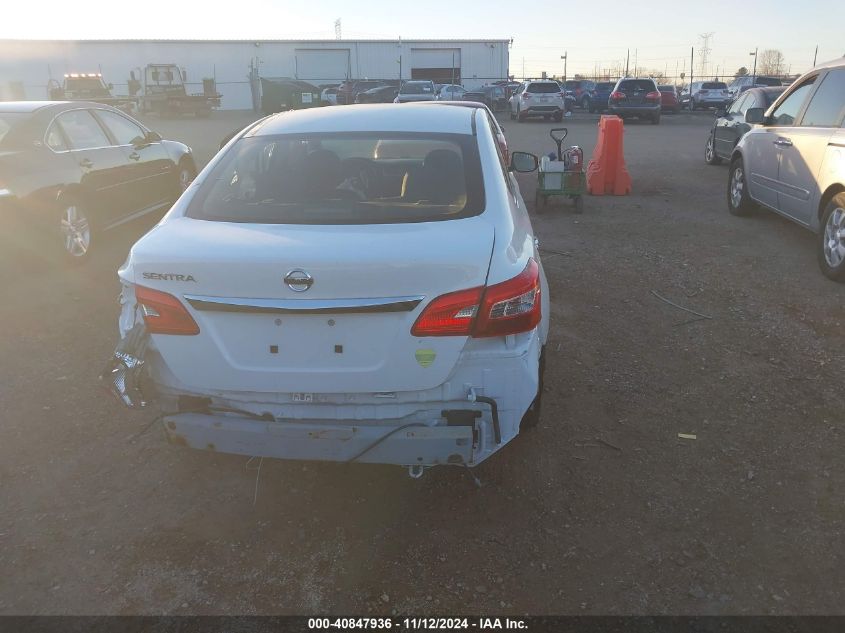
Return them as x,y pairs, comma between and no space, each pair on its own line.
253,335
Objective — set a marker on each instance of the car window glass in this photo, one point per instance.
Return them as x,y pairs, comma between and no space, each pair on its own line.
828,103
82,130
786,112
55,140
334,178
736,106
122,129
544,88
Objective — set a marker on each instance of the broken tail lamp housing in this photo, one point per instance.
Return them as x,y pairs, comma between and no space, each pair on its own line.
164,314
509,307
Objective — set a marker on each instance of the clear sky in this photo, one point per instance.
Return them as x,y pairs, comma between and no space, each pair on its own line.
594,33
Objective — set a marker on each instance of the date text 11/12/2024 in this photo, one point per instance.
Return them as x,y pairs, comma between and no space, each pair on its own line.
415,624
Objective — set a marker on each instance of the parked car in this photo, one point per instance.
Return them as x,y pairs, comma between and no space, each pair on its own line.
538,98
792,161
730,125
600,95
348,90
495,97
328,96
581,89
416,91
709,94
388,306
741,84
382,94
669,99
70,170
637,97
451,92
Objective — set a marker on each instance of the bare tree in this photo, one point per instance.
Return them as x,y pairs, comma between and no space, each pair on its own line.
741,72
770,62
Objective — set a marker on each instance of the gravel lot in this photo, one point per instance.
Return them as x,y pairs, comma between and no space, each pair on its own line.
601,509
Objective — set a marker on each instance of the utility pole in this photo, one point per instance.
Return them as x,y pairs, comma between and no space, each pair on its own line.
754,72
563,57
815,55
523,69
400,61
691,59
627,59
635,62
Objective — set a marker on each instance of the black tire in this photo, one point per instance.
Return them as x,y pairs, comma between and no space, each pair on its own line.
74,230
585,103
532,416
558,117
512,115
710,156
739,203
184,176
519,116
831,244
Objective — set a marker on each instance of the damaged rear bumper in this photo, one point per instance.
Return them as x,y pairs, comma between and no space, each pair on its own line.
402,444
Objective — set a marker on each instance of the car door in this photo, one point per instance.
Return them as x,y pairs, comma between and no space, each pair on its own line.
764,147
724,134
802,157
150,171
104,180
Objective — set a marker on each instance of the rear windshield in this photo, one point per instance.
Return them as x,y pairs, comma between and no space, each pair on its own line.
605,85
714,85
666,88
361,178
636,84
767,81
417,89
8,120
542,88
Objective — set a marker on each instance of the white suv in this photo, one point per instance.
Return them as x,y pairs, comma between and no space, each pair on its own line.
360,284
793,161
538,98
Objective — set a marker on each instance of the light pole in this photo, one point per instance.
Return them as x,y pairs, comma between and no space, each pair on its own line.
754,72
563,57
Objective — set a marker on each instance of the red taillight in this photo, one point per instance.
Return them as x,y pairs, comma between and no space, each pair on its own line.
449,315
164,313
653,96
616,95
509,307
512,306
526,95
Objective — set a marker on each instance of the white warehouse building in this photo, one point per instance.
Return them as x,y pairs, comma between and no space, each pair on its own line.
28,67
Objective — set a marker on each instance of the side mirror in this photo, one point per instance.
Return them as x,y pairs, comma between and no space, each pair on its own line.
754,115
523,162
152,137
720,112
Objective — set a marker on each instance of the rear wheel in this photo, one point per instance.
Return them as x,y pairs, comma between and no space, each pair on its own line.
512,115
831,251
739,203
75,231
710,152
655,120
558,117
532,416
519,116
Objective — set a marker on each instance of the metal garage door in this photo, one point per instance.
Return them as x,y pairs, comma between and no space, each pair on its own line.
322,63
441,65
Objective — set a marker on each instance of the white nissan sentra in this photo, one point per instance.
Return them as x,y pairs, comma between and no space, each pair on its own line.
351,284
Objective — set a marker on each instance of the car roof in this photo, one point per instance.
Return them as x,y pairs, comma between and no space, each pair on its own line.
29,106
833,63
388,117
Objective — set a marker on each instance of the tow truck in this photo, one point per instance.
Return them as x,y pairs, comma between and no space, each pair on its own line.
87,87
164,92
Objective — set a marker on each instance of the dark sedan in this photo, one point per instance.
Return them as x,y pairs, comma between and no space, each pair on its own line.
730,125
69,170
381,94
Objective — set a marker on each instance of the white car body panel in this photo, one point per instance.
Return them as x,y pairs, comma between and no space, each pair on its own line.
317,403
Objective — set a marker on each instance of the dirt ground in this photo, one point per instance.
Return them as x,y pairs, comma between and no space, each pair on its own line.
602,509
